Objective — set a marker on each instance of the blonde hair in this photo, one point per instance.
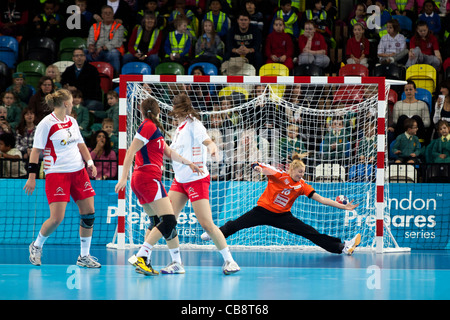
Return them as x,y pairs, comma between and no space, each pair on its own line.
297,161
57,72
57,98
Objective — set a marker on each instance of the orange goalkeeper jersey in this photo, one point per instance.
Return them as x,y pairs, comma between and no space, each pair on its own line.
281,190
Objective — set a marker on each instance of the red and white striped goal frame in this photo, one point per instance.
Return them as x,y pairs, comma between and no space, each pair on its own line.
381,147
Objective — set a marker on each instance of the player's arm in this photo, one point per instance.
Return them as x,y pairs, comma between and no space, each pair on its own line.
212,147
264,169
332,203
86,155
174,156
135,146
33,170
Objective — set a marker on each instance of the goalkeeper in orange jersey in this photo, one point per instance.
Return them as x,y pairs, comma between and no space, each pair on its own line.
274,205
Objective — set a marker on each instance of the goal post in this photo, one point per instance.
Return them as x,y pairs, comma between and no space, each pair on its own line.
266,119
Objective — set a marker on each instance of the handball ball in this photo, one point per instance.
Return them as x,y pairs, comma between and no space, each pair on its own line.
342,200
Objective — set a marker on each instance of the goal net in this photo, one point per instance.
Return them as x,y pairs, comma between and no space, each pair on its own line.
336,123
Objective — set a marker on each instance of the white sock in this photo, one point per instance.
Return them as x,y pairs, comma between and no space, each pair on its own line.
175,254
85,245
145,250
226,254
40,240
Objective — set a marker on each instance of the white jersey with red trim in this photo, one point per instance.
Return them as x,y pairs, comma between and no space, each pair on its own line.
188,142
59,140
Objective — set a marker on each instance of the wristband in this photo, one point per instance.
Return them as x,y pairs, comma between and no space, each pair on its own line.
256,164
33,168
90,163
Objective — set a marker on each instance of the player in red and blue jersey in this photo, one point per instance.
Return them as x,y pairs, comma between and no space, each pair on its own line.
148,148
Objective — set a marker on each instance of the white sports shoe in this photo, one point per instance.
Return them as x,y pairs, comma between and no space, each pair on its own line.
35,254
205,236
351,245
173,268
88,262
230,267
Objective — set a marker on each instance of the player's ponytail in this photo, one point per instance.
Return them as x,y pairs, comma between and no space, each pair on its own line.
57,98
182,107
297,160
150,109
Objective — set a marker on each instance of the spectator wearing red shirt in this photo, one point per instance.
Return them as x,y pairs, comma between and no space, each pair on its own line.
279,45
357,49
424,47
313,48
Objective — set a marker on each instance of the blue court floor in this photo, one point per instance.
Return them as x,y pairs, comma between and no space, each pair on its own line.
264,275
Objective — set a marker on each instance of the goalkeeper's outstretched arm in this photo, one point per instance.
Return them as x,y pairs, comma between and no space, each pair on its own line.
332,203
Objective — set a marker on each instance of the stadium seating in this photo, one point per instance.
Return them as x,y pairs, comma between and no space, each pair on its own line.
41,49
389,71
354,70
275,69
136,67
106,72
406,26
62,65
169,68
423,75
308,70
67,45
34,70
402,173
208,68
329,172
5,76
9,51
361,173
423,95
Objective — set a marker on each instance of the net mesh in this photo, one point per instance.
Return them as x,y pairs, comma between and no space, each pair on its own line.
333,126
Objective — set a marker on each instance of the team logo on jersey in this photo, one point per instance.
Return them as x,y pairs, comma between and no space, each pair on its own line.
67,141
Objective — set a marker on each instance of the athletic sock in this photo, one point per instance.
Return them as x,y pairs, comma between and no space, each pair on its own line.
85,243
40,240
175,254
145,251
226,254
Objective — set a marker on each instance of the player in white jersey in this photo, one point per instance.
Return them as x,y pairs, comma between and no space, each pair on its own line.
192,142
59,137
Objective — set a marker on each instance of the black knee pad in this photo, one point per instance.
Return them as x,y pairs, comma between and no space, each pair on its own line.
167,226
87,220
154,220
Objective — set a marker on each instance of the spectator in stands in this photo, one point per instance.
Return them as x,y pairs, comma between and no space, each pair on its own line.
289,17
384,18
145,42
441,147
313,48
410,107
37,101
122,11
219,18
442,106
151,6
84,77
404,8
199,93
178,43
424,47
108,127
20,88
291,144
4,125
10,101
360,15
112,112
367,149
25,132
335,143
318,15
256,17
82,113
245,40
53,72
392,47
251,148
48,23
407,146
105,41
101,150
180,10
209,47
431,17
357,50
8,151
13,18
279,45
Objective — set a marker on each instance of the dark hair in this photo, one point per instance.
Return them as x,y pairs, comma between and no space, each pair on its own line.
8,139
150,109
182,107
107,146
22,124
411,82
409,123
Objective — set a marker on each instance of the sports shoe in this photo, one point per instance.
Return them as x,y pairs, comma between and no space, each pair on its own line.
88,262
35,254
351,245
173,268
141,266
205,236
230,267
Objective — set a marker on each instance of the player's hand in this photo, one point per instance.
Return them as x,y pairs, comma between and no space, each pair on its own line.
29,187
120,185
93,169
350,206
257,168
196,168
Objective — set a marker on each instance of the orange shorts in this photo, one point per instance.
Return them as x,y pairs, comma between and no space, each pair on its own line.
195,190
59,187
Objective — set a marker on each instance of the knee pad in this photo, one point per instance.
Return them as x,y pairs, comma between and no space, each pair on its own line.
87,220
167,226
154,220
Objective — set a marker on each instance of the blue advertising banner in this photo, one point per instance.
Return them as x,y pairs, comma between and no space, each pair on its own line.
419,214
